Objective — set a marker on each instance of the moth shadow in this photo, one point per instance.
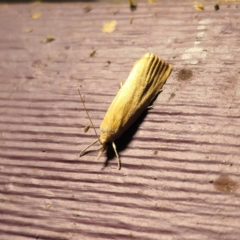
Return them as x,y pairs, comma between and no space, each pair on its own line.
125,139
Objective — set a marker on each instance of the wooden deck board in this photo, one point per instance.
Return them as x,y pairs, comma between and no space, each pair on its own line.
180,161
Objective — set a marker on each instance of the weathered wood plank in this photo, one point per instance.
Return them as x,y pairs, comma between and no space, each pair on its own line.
180,166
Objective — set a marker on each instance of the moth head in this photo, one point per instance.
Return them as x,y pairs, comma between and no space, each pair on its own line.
102,149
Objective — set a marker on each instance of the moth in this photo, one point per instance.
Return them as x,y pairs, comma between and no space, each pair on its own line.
143,84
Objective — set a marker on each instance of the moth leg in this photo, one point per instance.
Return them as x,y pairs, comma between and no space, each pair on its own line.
151,107
82,152
115,150
99,155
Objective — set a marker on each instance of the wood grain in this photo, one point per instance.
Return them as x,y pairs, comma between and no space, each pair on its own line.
176,160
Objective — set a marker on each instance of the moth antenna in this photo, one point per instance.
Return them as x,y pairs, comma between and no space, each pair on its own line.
84,150
87,113
118,158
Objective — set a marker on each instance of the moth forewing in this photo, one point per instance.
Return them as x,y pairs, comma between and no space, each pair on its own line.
144,82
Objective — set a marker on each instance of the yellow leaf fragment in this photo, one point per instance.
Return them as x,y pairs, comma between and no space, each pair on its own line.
199,7
36,15
48,206
48,39
27,29
152,1
109,27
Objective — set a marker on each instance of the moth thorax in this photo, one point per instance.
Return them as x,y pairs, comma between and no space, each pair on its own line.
106,134
104,138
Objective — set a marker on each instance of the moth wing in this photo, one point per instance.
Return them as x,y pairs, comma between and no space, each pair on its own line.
143,83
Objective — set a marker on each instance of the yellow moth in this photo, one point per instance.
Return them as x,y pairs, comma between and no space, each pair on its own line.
144,82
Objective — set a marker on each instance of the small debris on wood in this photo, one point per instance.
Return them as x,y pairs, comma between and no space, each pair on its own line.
48,206
172,96
87,9
36,15
86,128
152,1
28,29
93,53
131,20
116,12
37,63
155,153
133,5
199,7
109,27
108,63
48,39
216,6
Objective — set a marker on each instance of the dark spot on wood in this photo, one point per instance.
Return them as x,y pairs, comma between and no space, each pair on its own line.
37,63
93,53
216,6
155,178
87,9
211,181
43,150
225,184
29,77
133,6
108,63
172,96
155,153
184,74
67,47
